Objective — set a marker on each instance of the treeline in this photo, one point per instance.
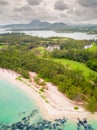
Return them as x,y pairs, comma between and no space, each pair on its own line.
92,64
70,82
34,41
84,56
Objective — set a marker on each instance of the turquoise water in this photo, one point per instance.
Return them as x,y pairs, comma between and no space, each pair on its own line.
94,124
16,104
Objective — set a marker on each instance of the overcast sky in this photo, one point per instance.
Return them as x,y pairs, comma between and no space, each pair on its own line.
67,11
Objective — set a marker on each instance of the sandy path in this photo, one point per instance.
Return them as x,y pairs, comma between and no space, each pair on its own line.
58,106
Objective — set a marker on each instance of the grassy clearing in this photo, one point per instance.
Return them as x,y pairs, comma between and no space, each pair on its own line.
76,65
2,46
93,48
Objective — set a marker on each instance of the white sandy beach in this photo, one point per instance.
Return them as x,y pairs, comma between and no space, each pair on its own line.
58,105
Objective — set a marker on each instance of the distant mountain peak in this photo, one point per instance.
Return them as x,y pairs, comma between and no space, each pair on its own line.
35,21
38,25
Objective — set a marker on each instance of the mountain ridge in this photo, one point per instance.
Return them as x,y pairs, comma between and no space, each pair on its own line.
37,24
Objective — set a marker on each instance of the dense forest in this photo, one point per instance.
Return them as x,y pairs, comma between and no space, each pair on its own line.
23,53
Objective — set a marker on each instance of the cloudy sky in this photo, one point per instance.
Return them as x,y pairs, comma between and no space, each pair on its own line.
67,11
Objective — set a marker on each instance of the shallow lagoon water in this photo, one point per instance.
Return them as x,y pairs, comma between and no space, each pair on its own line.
15,104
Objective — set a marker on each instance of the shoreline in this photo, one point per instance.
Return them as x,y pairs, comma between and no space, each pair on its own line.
59,106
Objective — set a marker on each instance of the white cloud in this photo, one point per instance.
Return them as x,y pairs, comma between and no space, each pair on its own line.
34,2
60,5
20,11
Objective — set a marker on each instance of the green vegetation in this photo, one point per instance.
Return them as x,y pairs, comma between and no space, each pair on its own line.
47,101
39,51
2,46
42,89
76,65
93,48
27,53
84,29
92,64
19,78
92,106
76,54
37,81
76,108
